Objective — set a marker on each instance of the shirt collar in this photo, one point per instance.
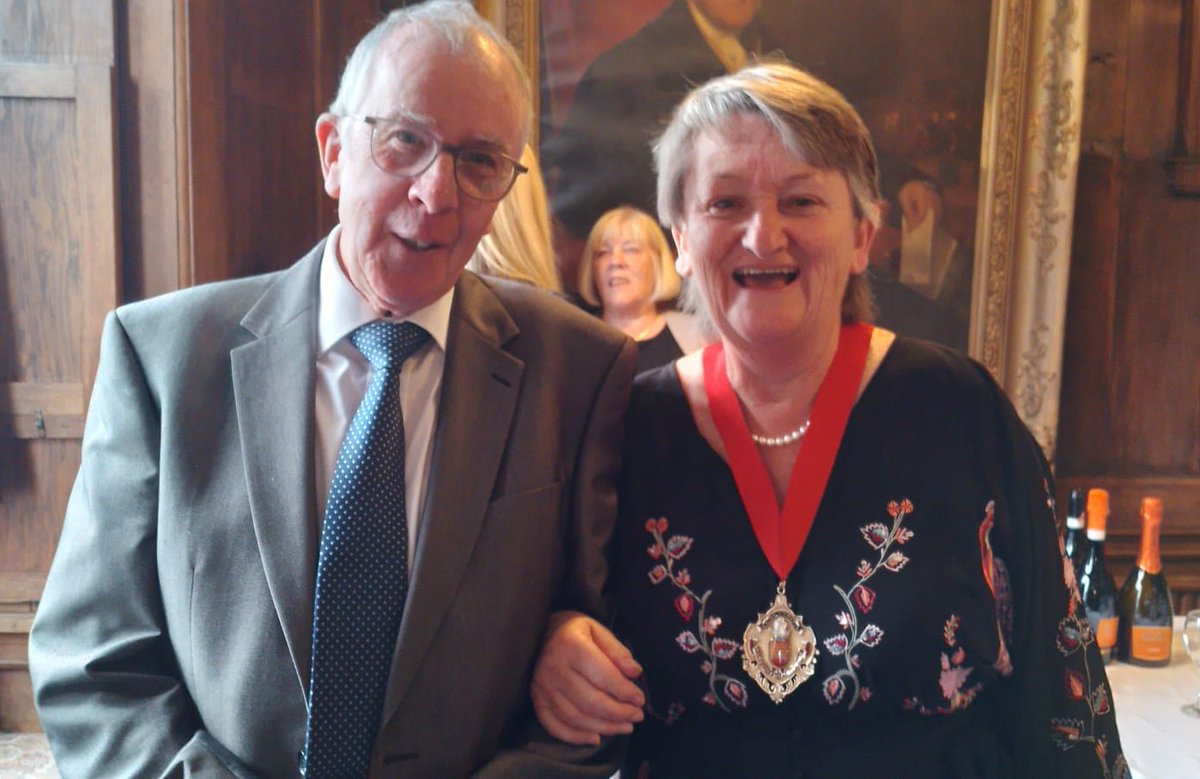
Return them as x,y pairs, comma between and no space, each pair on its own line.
342,310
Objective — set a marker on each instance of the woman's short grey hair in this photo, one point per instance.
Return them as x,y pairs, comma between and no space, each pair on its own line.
456,22
812,119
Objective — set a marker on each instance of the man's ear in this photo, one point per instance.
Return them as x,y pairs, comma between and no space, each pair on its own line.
683,262
329,148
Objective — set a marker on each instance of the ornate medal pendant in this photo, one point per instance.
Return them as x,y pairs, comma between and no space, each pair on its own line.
779,651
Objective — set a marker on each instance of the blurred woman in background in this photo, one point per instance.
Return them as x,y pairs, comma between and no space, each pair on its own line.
628,273
517,247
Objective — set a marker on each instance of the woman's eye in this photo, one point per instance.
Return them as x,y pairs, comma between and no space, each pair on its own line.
797,202
723,205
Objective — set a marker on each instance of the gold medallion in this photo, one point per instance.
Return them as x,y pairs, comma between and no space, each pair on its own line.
779,651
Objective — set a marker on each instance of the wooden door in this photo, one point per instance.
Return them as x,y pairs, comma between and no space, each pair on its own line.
58,274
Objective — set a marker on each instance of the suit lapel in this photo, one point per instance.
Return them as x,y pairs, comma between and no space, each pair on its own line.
273,378
475,412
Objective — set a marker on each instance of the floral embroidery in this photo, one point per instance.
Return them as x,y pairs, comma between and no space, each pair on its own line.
1073,637
996,575
954,675
860,599
722,689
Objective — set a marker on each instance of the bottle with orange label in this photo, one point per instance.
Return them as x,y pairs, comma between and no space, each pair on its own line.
1096,585
1144,607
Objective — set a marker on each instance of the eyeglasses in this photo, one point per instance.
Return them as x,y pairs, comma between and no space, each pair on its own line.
403,149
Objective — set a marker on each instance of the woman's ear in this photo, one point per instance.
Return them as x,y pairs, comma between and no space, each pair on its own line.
329,148
683,262
864,234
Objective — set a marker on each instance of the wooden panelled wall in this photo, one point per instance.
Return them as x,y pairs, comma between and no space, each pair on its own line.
1130,419
217,177
198,118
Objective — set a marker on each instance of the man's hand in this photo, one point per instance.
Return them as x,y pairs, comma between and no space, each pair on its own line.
917,198
581,687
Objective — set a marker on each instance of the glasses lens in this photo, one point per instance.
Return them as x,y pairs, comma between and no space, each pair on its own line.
400,148
482,174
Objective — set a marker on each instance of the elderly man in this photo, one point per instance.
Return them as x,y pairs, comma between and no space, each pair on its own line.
322,515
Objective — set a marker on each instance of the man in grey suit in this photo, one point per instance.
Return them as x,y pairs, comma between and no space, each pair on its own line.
176,633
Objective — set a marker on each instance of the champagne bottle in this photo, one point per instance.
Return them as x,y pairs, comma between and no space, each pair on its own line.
1096,584
1144,608
1075,541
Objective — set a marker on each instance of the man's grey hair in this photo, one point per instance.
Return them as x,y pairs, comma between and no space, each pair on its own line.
812,119
458,25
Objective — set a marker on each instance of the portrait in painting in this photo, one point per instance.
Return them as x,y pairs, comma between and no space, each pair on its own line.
915,69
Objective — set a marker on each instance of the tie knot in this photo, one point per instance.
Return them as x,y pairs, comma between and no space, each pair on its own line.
388,344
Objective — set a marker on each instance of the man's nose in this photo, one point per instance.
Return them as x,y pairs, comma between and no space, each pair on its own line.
436,187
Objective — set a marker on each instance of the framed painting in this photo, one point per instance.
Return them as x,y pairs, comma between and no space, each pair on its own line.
974,106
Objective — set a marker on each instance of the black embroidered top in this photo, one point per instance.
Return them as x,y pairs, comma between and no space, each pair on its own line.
951,641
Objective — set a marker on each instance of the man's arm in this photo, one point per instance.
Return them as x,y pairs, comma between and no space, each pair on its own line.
593,513
105,679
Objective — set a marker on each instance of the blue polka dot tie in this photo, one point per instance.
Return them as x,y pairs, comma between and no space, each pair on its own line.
362,570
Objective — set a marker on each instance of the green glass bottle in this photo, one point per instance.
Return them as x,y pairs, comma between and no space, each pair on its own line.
1144,613
1096,584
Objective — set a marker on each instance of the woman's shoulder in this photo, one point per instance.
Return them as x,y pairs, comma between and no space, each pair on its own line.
915,360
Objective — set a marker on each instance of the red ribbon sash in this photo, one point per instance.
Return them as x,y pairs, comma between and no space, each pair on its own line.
782,533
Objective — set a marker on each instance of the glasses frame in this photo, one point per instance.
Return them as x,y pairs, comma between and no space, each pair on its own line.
374,122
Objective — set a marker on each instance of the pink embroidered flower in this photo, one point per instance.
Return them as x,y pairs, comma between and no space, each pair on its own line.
710,699
837,644
895,561
684,605
1075,685
736,692
865,694
678,546
903,536
906,506
654,551
657,574
834,689
864,598
724,648
711,624
706,666
893,508
1100,700
844,620
959,656
651,525
871,635
876,534
1070,637
688,641
864,569
952,679
662,524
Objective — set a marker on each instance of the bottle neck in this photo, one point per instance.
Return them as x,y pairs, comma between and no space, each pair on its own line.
1074,523
1150,556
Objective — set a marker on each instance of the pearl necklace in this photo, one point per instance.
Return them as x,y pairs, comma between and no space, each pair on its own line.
783,440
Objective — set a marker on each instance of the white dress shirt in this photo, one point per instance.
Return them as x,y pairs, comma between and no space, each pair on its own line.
343,374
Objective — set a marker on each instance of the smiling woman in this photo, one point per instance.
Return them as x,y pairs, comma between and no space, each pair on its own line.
829,535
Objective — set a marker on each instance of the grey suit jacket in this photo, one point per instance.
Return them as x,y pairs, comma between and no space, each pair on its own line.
174,635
